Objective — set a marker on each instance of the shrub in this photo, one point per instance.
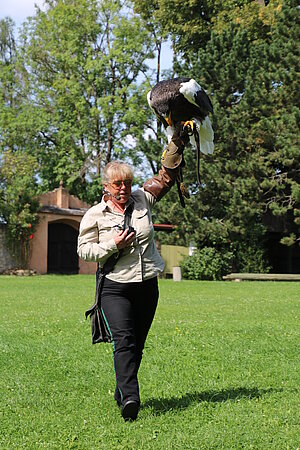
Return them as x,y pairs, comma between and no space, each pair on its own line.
250,258
18,202
206,264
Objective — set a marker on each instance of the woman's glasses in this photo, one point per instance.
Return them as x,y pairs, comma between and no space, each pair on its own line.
117,184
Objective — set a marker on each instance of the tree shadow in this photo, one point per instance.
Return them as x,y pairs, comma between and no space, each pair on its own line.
162,405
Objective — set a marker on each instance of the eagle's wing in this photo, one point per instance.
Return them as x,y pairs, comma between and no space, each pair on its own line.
203,101
194,94
164,99
155,104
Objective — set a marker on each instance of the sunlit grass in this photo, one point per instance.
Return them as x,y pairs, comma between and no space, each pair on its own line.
220,370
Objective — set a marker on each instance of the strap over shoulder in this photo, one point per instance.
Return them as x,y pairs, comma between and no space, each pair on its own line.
110,264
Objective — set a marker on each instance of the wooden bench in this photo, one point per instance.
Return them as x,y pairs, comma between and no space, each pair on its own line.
262,277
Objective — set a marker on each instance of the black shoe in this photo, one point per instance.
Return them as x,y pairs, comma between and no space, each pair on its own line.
130,410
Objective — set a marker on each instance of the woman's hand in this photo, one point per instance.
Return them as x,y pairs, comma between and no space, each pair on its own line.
123,239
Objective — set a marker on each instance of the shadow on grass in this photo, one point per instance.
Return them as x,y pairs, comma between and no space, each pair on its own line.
162,405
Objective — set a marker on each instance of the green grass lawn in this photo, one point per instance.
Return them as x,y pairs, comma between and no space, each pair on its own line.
220,371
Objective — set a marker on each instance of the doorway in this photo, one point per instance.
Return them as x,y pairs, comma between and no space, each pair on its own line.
62,249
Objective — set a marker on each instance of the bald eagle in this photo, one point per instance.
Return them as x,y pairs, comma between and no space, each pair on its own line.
182,100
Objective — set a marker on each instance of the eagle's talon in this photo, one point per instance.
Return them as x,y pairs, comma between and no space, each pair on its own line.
189,127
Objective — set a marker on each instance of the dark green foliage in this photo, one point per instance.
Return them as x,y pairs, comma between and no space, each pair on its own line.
249,68
206,264
18,202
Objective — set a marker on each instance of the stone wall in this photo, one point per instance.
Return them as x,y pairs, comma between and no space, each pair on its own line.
6,261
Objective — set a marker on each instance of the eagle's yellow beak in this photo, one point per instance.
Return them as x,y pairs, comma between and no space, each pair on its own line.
169,120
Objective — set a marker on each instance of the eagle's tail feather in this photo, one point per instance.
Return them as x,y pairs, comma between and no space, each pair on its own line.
206,136
206,147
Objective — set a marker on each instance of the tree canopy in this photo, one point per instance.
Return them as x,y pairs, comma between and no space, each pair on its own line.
79,63
73,96
249,67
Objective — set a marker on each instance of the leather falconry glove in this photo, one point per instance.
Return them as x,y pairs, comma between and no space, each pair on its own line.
172,155
171,160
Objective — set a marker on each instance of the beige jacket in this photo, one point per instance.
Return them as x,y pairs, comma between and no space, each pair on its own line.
100,224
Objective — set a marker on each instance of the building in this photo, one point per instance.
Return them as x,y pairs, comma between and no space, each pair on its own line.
54,244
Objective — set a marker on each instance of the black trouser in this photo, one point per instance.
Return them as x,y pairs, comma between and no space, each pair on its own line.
128,308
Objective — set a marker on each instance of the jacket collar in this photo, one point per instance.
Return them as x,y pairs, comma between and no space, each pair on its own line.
104,206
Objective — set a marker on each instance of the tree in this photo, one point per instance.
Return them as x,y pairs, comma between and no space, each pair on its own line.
82,60
10,98
158,33
18,206
18,202
249,68
189,24
280,128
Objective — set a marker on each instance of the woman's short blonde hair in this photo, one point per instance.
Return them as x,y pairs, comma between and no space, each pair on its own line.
116,170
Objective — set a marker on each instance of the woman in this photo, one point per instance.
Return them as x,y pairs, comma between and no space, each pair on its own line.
130,291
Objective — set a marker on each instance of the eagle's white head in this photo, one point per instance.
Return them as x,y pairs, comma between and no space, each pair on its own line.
189,89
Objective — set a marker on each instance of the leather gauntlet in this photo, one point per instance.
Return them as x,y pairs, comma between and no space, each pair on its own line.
172,155
171,159
160,184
